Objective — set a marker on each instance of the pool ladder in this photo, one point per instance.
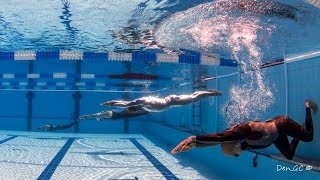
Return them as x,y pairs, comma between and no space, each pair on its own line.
198,73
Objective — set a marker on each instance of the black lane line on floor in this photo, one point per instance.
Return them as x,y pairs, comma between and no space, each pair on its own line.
52,166
157,164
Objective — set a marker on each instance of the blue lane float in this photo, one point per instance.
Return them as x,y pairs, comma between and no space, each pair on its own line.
228,62
186,56
48,56
144,57
6,55
92,56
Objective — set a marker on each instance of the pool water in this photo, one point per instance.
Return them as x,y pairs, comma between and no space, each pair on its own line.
60,59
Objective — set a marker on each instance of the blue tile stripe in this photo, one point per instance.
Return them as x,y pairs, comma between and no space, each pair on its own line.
8,139
228,62
52,166
186,56
47,56
163,169
190,57
144,56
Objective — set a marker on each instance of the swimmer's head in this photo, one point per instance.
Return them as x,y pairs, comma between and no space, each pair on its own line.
231,148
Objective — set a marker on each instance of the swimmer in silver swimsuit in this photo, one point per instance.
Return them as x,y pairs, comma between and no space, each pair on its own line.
155,104
257,135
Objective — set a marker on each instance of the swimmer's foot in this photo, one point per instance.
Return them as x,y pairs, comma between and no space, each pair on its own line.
103,115
115,103
111,103
83,117
47,127
214,92
107,103
207,79
312,105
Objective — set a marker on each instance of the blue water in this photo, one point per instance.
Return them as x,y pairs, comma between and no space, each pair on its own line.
140,147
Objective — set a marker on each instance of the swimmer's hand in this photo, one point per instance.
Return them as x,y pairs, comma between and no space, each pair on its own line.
214,92
185,145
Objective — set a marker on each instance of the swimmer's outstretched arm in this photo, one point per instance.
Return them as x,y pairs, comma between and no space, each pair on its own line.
210,92
186,99
235,134
191,142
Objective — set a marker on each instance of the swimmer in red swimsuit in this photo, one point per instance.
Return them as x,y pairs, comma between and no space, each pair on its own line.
129,112
257,135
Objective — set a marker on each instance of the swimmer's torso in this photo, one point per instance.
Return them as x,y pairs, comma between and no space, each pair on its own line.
262,134
153,104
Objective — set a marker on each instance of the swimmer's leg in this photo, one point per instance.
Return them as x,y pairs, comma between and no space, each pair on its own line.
99,116
116,103
287,126
298,131
288,150
211,92
186,99
120,103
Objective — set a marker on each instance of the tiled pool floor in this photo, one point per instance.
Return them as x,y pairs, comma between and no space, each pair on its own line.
83,156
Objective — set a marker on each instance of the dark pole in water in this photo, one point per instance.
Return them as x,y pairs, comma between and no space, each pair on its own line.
29,97
76,97
126,96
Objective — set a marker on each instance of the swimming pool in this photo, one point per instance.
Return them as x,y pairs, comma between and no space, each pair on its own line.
61,59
